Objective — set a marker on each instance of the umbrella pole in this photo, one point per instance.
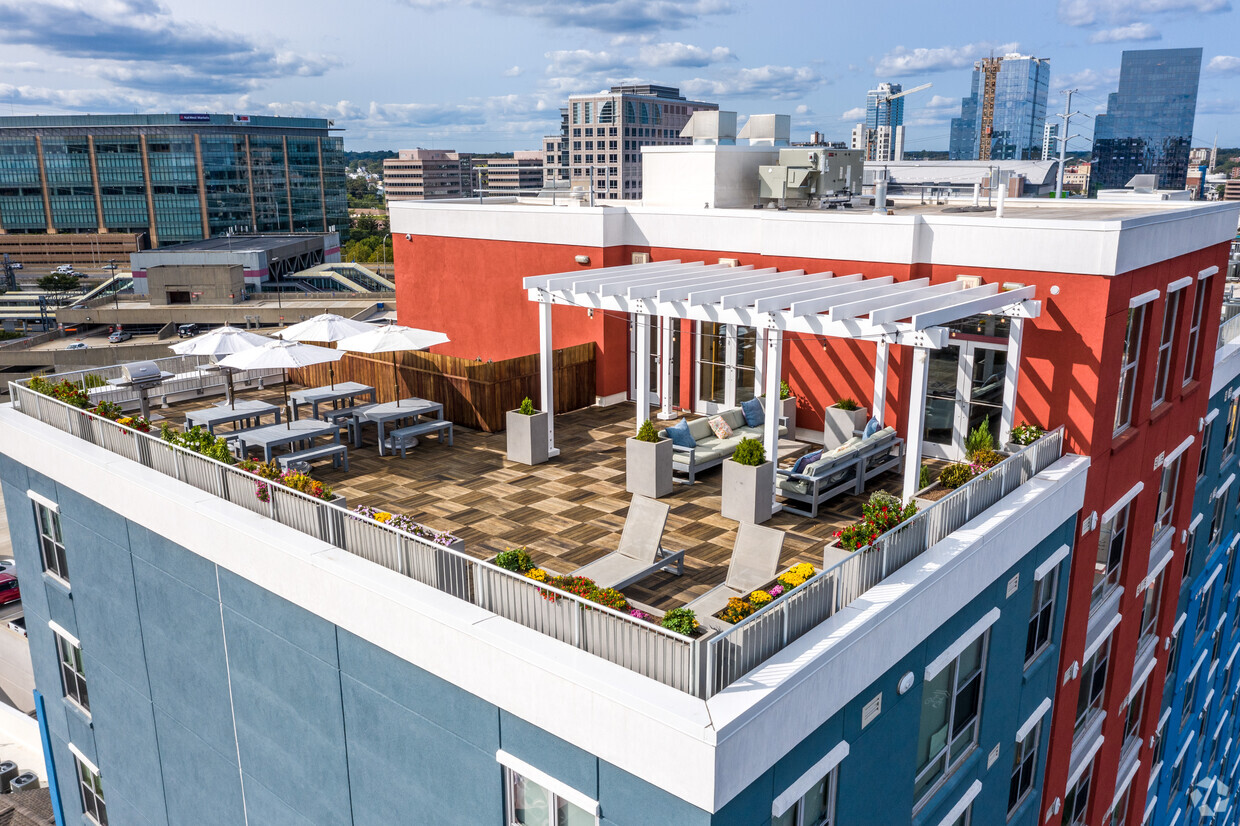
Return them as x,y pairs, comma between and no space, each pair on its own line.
331,374
232,398
288,413
395,379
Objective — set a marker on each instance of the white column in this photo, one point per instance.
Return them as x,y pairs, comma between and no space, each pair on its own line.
879,403
546,370
641,392
759,362
916,421
665,365
1011,378
774,347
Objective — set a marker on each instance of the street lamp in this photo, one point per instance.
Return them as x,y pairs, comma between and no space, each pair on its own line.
275,259
383,245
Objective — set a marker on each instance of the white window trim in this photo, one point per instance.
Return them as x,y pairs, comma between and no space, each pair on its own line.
1219,728
1207,272
791,795
1211,416
1209,582
966,639
1192,526
1221,490
1105,634
86,761
1122,787
1162,720
1232,658
1179,449
43,500
1179,758
1086,760
1162,563
1142,299
1179,284
1050,563
1034,719
1149,810
1197,666
1112,511
963,803
60,631
556,787
1140,680
1179,623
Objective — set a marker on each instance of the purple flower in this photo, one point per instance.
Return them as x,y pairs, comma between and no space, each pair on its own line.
777,590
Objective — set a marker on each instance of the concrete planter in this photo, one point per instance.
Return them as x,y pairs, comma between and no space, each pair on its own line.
648,467
748,492
789,411
840,424
527,438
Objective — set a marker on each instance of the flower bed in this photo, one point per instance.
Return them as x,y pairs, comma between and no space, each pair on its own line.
271,473
882,513
738,608
404,523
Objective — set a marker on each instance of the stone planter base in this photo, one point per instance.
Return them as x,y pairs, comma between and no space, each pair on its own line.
648,467
748,492
527,438
839,425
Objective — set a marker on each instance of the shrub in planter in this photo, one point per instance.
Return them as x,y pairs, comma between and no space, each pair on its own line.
536,574
527,407
267,470
884,511
736,610
955,475
987,458
979,440
63,391
847,403
140,423
517,560
1026,434
749,452
680,620
200,441
925,479
108,410
647,433
785,392
759,598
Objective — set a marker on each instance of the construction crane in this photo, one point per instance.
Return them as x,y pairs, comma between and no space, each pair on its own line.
890,145
908,91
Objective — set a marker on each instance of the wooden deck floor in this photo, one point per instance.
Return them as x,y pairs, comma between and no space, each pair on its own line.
567,512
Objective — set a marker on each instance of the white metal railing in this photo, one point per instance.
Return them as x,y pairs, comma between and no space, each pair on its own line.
701,666
188,379
736,651
1229,326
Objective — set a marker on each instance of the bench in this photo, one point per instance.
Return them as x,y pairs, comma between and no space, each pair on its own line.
711,451
338,454
405,437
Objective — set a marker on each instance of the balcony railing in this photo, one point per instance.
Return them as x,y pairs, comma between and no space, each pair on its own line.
701,665
1229,327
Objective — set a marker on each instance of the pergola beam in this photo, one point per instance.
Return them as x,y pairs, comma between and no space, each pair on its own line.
710,274
925,305
558,281
714,293
870,303
813,306
972,307
830,286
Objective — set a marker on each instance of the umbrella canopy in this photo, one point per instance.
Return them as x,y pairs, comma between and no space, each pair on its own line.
282,354
393,339
325,327
222,341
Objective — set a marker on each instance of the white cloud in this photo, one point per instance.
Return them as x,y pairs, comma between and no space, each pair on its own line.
855,115
802,109
901,61
1089,12
515,71
1088,80
1120,34
771,82
599,15
1224,64
583,63
937,111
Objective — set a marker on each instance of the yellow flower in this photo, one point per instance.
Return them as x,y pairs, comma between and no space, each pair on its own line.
383,516
790,580
125,420
759,598
804,570
537,574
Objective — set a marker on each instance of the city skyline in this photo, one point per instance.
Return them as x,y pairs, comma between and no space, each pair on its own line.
70,57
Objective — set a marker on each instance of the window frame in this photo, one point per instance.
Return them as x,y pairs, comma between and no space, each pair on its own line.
1077,800
1203,611
1229,429
1166,347
556,793
57,564
940,764
72,670
1207,433
1114,560
1151,600
1129,368
1041,616
1168,493
90,790
1096,701
1024,768
794,815
1194,330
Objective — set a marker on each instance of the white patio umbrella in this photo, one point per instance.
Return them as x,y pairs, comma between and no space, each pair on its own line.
392,338
283,354
325,327
222,341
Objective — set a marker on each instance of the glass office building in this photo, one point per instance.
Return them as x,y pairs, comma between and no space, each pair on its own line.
173,177
1004,115
880,110
1148,127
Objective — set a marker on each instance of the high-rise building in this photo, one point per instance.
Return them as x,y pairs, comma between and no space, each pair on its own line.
1148,126
882,134
427,174
1050,143
602,136
523,172
1004,115
170,178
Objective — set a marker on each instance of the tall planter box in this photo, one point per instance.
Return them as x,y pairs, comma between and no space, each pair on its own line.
789,411
648,467
527,438
748,492
840,424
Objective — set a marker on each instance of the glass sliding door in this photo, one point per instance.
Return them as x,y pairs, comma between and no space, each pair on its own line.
727,360
964,391
656,342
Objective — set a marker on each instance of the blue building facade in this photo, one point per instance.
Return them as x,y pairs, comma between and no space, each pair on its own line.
1003,119
1148,125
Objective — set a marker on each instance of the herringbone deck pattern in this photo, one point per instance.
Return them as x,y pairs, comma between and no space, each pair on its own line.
568,511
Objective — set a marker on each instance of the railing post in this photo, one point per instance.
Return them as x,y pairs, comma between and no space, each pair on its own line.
577,623
883,548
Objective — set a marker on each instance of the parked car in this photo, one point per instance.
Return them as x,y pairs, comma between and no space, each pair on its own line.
78,345
119,336
187,331
9,590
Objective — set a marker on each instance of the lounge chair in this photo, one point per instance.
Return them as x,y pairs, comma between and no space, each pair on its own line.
755,561
640,553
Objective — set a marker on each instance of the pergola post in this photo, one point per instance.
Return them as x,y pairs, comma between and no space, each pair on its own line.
759,362
665,365
916,421
546,370
1011,377
879,404
641,392
771,405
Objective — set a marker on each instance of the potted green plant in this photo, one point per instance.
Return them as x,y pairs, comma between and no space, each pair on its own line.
1023,435
648,463
788,407
528,441
748,483
841,420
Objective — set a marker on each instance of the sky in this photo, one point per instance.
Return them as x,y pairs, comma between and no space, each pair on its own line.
490,75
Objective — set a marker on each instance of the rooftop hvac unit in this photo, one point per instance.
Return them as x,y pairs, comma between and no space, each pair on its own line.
830,177
24,782
8,770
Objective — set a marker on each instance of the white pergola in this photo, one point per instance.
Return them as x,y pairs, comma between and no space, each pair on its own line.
909,313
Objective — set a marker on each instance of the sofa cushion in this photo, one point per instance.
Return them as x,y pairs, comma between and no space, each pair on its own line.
847,447
755,414
794,485
680,434
702,455
871,427
720,426
807,459
700,429
735,417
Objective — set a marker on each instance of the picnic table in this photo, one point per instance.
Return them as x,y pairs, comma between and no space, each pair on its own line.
314,396
278,435
245,412
411,408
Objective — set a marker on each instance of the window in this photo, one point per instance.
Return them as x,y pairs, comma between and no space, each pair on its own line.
1218,517
1128,368
1203,611
1177,782
1194,330
1203,459
51,542
1188,553
1166,496
1132,723
92,792
1024,768
815,808
1229,433
966,817
1110,555
1149,609
1076,801
1119,815
1041,617
1190,698
72,674
950,708
1093,683
1171,318
529,804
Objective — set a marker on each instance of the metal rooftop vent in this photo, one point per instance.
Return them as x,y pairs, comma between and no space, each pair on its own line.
707,127
767,130
1143,183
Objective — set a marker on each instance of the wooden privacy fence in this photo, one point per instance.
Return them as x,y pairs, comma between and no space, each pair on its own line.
473,393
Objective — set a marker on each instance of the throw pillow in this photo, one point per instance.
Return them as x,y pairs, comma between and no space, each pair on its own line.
755,415
721,428
680,435
806,460
871,427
